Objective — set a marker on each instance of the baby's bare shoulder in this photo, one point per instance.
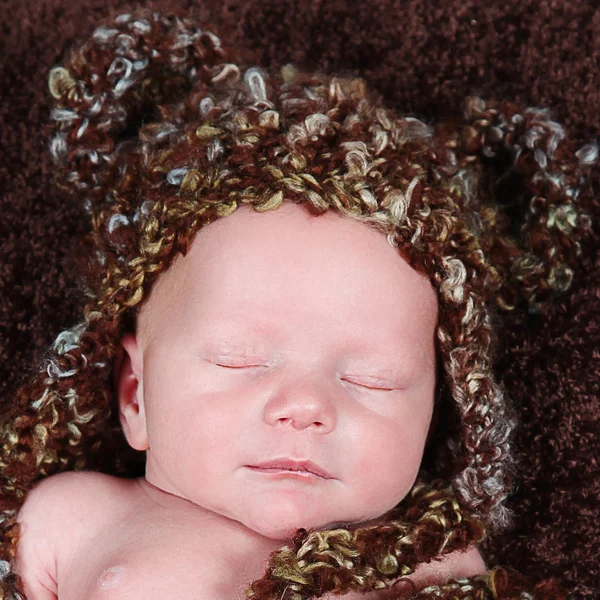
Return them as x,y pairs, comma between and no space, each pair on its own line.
56,515
72,497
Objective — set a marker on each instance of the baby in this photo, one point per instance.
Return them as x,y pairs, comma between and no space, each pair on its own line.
283,275
282,375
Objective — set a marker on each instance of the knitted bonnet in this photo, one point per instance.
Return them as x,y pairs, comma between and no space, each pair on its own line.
158,130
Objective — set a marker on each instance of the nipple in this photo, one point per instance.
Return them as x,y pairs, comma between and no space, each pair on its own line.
110,577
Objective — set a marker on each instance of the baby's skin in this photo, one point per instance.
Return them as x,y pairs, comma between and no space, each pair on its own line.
89,536
280,335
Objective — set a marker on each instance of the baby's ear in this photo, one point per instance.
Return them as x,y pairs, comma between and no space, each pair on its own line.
128,376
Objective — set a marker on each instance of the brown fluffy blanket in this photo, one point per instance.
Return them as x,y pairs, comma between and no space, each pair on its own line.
424,56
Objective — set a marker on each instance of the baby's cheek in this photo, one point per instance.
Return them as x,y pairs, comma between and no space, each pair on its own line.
385,467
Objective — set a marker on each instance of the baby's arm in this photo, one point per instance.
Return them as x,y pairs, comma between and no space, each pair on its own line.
59,513
457,564
36,559
452,566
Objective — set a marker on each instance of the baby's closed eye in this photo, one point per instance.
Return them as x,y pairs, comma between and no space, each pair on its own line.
368,382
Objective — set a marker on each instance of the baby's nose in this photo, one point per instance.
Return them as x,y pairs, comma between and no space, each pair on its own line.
302,404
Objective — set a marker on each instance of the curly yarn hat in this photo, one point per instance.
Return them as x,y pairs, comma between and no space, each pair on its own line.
158,132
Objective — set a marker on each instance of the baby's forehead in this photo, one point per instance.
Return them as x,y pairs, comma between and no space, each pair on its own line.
289,243
289,275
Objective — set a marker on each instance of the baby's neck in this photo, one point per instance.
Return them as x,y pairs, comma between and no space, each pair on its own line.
247,537
173,501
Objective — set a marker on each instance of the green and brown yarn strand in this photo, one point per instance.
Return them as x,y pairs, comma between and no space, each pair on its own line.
158,132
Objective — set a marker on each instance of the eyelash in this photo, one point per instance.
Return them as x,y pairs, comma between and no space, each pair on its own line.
236,366
375,389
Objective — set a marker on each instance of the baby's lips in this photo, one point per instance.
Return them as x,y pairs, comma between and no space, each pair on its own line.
295,465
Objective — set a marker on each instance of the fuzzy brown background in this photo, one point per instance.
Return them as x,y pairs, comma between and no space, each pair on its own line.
424,56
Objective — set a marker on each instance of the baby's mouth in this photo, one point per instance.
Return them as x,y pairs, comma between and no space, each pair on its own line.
305,468
287,473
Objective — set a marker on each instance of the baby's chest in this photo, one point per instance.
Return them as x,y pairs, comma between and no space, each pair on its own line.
149,560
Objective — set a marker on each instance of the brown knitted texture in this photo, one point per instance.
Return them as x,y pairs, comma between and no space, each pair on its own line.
158,132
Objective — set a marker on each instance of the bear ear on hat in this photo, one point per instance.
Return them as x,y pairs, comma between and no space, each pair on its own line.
513,185
525,183
124,83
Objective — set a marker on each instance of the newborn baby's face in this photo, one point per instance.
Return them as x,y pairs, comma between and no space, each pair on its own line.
282,335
